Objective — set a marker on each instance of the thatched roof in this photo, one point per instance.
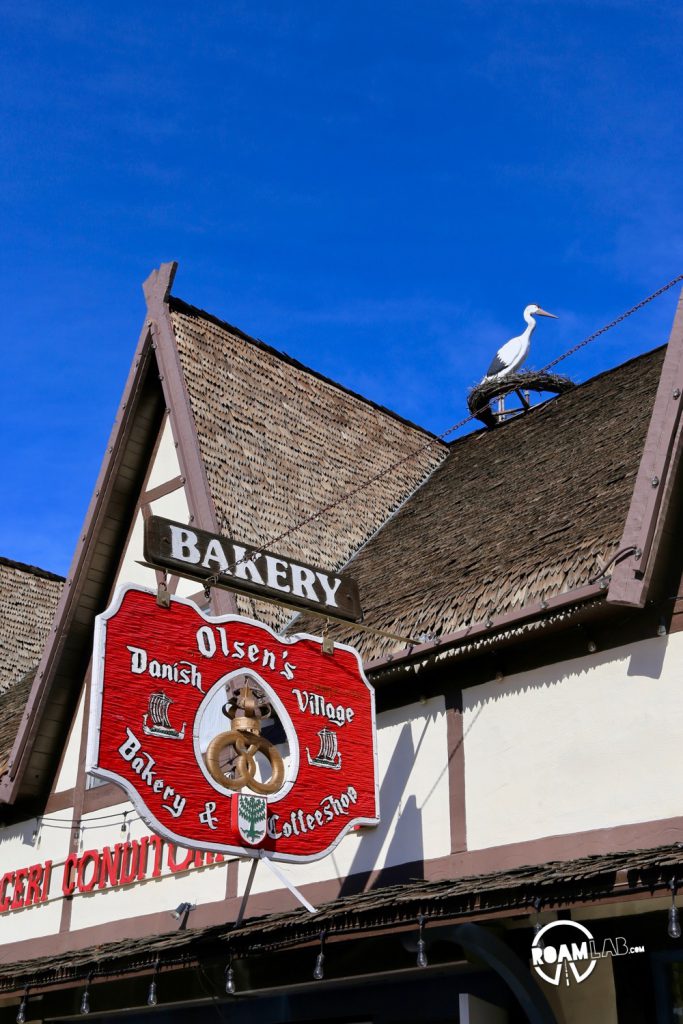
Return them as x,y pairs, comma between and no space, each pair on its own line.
556,884
28,598
279,442
517,514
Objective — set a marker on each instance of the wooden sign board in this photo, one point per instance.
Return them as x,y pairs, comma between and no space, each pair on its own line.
202,555
227,737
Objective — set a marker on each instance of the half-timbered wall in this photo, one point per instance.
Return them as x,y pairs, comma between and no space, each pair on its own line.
414,794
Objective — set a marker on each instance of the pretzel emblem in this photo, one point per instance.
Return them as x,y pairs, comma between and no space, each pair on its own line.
230,757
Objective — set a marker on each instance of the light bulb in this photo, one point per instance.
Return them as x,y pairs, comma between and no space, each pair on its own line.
21,1013
674,928
230,981
85,1003
152,994
537,928
318,970
422,953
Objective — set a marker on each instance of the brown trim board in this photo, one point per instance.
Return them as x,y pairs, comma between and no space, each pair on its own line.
79,794
157,288
60,801
77,581
456,771
631,576
162,490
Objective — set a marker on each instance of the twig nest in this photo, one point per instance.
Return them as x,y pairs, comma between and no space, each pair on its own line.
482,394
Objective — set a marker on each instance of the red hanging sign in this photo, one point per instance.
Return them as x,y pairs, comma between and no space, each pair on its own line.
228,737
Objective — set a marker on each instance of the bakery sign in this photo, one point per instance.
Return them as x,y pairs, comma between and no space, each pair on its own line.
225,563
228,737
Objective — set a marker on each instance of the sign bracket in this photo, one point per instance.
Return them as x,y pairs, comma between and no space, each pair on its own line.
282,877
247,891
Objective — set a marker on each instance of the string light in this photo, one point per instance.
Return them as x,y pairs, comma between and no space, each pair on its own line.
538,926
152,992
75,823
319,969
421,944
85,1001
21,1012
230,979
674,925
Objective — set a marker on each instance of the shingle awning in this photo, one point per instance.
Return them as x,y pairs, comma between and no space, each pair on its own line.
558,884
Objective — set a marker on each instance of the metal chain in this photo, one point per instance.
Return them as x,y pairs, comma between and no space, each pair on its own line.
466,419
456,426
619,319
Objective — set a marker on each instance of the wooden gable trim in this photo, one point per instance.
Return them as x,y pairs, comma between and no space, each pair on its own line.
155,382
157,290
632,574
47,711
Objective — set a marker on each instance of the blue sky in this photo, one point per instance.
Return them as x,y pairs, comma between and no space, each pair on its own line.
377,188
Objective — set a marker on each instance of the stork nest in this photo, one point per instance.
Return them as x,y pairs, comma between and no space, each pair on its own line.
482,394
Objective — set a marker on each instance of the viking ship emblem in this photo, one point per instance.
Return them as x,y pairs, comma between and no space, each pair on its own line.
159,704
328,756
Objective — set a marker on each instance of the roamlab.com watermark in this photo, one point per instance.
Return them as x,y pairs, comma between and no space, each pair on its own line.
567,949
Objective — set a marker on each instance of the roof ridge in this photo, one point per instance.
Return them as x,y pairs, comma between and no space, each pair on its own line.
614,369
485,431
34,570
179,305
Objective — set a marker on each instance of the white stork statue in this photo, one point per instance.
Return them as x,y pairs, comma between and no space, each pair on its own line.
512,354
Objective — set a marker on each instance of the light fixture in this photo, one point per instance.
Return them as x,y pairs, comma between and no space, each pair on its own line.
538,902
124,824
674,925
319,969
182,910
85,1001
230,987
421,944
152,991
21,1012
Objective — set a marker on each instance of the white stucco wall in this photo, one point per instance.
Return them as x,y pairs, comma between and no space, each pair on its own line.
166,465
68,772
586,744
415,825
18,849
413,776
205,884
171,506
